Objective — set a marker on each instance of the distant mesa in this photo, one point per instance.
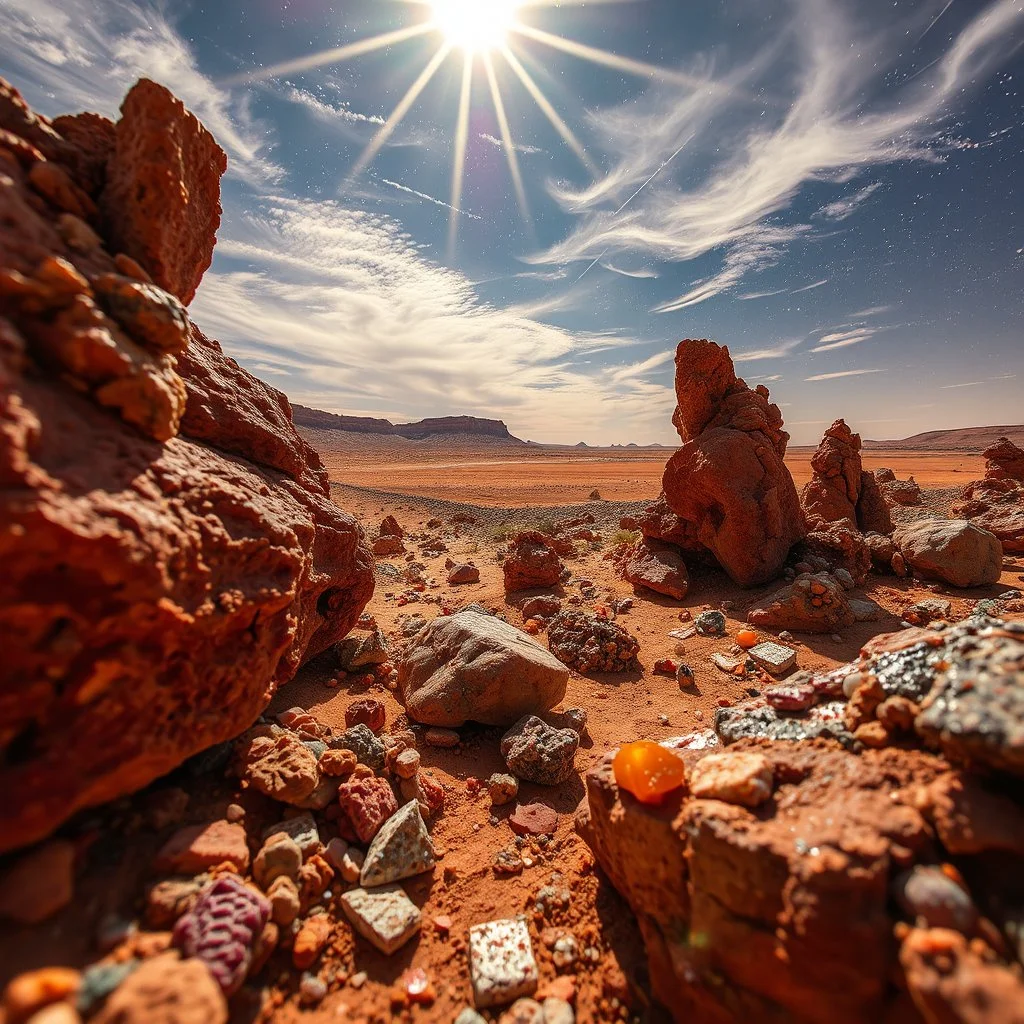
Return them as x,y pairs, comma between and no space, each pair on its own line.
963,439
582,444
317,419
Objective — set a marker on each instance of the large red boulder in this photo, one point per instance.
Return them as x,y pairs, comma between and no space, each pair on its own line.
729,479
170,551
997,505
531,561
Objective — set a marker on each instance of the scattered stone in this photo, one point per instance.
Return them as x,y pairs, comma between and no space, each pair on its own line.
531,562
685,677
533,820
284,901
426,791
166,990
523,1011
444,738
368,712
463,573
760,720
166,901
401,849
312,990
367,803
543,607
501,963
221,929
361,741
502,789
558,1011
407,763
658,566
710,623
589,644
277,763
931,899
460,667
386,917
469,1016
797,695
39,883
736,778
953,550
387,547
537,752
389,528
301,828
337,763
772,657
356,652
29,993
570,718
813,603
311,940
279,856
508,862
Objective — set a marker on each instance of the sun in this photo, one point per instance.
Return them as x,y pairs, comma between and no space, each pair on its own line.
475,26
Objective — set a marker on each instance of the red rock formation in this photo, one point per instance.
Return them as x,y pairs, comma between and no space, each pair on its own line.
1004,461
766,914
729,479
170,231
170,550
532,561
840,492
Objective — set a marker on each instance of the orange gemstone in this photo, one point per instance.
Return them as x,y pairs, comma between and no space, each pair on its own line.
746,638
648,770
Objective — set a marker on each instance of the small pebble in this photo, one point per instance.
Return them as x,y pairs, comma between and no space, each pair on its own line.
312,989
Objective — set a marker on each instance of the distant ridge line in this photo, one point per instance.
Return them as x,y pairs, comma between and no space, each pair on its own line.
965,439
317,419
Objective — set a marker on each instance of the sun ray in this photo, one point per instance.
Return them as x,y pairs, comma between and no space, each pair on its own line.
377,142
611,60
461,140
549,111
335,56
506,138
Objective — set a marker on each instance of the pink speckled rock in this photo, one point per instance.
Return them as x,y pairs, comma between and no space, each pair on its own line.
368,803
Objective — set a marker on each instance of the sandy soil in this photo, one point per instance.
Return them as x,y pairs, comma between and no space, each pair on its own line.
498,474
624,707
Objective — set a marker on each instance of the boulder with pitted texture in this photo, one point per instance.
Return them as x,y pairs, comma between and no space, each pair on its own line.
159,508
729,479
953,550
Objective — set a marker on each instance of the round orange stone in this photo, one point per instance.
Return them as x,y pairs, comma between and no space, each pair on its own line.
648,770
746,638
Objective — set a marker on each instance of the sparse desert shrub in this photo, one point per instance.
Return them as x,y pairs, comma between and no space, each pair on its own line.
624,538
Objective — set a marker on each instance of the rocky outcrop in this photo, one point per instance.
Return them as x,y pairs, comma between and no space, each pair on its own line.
1004,461
473,667
171,554
729,479
996,503
783,923
171,232
953,550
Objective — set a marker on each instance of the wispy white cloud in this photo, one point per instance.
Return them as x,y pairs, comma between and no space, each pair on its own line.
640,273
846,207
779,351
811,287
748,296
846,338
976,383
519,147
330,112
841,373
74,52
428,199
346,304
834,127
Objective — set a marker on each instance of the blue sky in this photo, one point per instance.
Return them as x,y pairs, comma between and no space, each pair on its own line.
829,187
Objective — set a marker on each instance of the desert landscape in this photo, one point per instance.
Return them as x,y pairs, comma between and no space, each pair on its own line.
307,716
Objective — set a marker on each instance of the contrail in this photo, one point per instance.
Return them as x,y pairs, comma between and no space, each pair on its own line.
934,22
590,267
654,175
